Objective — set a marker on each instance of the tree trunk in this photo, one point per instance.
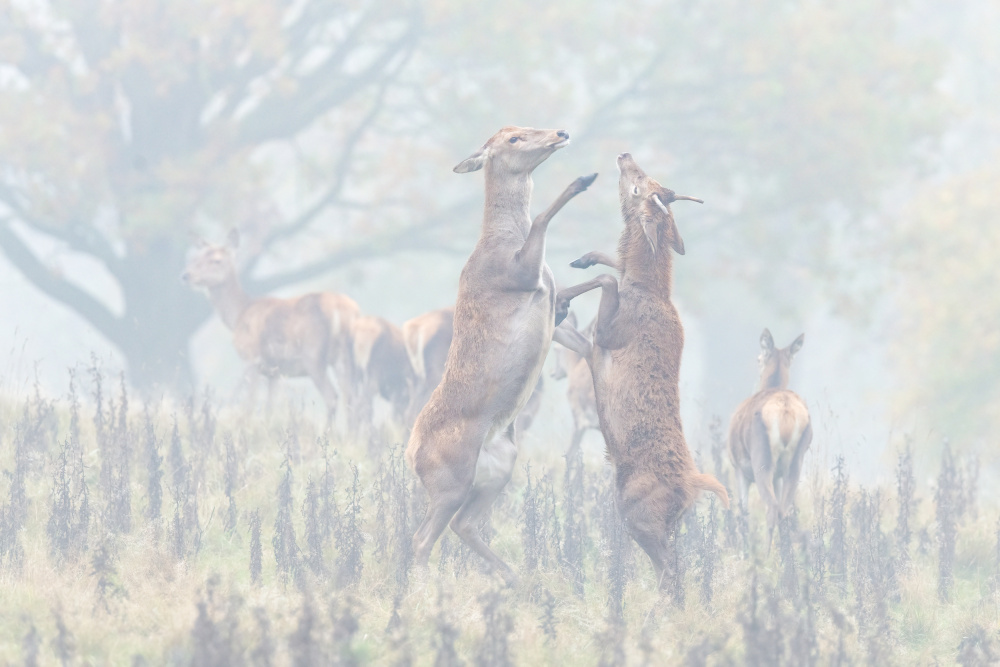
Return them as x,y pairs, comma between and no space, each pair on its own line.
161,315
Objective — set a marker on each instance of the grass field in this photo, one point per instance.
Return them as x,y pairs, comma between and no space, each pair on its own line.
187,534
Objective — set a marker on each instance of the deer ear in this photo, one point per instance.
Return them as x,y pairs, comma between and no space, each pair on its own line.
474,162
796,344
675,240
767,342
233,238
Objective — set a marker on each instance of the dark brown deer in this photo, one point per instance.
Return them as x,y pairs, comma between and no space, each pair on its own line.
635,362
463,445
579,387
770,433
382,366
427,338
295,337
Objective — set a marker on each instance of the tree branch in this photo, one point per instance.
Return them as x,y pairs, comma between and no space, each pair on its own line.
79,237
57,288
416,237
304,219
278,117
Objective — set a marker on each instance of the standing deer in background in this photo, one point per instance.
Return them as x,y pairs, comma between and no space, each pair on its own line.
382,367
294,337
579,388
770,433
635,362
427,338
463,444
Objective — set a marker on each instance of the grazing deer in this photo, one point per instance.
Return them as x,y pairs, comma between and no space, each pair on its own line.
382,366
276,337
770,433
635,360
579,388
427,338
463,445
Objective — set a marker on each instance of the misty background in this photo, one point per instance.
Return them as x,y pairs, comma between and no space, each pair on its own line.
848,155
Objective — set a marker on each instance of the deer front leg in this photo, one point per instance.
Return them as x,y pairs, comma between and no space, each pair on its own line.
528,260
564,296
607,333
572,339
593,258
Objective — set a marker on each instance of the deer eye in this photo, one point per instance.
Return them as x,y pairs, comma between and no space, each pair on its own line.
513,140
635,190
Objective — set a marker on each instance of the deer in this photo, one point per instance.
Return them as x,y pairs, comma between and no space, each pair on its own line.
579,389
294,337
634,358
463,443
382,367
770,432
427,338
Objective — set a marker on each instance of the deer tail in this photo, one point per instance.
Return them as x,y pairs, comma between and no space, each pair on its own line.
705,482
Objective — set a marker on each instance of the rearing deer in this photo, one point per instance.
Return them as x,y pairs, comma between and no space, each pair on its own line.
635,362
276,337
463,444
427,338
770,433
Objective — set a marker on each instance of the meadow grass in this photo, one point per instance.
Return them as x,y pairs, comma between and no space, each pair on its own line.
126,538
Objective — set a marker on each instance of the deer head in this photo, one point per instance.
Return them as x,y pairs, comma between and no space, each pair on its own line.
774,363
645,201
212,265
515,150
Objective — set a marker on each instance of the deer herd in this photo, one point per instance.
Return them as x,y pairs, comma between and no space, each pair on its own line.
465,381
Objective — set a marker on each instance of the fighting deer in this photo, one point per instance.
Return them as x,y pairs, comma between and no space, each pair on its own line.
770,433
635,360
382,366
294,337
579,387
463,444
427,338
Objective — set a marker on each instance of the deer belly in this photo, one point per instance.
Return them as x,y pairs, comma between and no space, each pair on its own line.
520,367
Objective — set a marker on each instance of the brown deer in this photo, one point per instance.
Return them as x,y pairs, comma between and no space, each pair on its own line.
770,433
382,367
427,338
579,387
463,443
635,361
294,337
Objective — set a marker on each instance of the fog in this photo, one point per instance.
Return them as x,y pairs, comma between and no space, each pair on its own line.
848,156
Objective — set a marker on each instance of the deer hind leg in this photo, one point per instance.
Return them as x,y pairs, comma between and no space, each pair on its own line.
795,470
448,481
763,472
648,525
317,373
493,470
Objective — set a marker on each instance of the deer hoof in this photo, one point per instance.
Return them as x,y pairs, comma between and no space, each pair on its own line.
584,182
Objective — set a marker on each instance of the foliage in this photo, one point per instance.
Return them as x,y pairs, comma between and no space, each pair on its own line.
350,595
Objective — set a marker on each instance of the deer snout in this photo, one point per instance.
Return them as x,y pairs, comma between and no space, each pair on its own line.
562,134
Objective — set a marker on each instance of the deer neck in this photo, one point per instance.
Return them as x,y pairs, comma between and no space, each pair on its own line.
229,300
507,207
641,266
775,378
